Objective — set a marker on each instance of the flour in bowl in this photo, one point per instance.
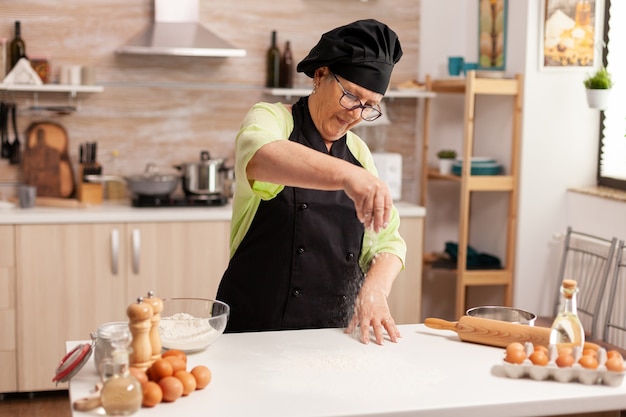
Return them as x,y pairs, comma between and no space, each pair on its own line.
185,332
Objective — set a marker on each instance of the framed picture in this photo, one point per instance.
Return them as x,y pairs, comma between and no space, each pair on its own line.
492,25
570,34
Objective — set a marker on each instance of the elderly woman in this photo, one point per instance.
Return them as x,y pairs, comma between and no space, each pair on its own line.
314,235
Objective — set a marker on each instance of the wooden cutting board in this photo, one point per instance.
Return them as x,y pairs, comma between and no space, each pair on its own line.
46,162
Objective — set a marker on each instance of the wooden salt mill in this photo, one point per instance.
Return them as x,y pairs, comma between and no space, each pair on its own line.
155,337
140,321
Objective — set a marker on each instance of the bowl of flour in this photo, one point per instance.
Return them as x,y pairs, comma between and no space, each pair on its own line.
192,324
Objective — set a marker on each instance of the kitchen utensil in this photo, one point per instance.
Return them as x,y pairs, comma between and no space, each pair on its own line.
89,402
27,195
204,177
492,332
151,182
192,324
15,156
5,150
41,167
51,138
495,332
508,314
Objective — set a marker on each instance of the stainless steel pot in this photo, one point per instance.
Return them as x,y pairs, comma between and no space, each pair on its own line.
508,314
149,183
205,177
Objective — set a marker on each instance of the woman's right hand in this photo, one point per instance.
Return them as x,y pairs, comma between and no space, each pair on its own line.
371,196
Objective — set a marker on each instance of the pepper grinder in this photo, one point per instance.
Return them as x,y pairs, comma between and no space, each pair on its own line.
155,338
140,321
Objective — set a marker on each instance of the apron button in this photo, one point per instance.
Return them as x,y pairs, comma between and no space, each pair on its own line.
349,256
296,293
304,206
300,251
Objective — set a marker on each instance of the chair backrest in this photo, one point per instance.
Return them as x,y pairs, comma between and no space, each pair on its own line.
615,323
587,260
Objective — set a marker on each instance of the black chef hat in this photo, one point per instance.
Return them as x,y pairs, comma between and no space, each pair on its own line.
363,52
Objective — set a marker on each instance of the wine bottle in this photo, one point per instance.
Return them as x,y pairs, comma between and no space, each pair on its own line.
286,67
18,46
273,64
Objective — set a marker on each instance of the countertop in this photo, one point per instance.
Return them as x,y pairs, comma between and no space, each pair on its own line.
111,212
326,373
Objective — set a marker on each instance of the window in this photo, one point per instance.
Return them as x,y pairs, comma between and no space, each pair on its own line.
612,155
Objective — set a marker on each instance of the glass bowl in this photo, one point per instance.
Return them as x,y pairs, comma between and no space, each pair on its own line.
192,324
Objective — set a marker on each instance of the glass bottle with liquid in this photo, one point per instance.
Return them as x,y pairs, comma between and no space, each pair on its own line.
273,64
17,46
286,67
121,392
567,330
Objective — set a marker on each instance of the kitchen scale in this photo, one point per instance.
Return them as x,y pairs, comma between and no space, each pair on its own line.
211,200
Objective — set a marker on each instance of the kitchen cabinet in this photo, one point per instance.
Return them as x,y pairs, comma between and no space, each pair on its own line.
73,277
8,344
469,185
405,299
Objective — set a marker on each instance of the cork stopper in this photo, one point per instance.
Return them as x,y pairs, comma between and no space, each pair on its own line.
569,288
569,284
139,311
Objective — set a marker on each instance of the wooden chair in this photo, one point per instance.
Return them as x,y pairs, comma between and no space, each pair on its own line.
587,260
615,322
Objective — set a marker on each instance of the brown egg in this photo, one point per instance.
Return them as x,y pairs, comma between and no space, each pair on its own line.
614,353
565,360
541,348
513,347
538,357
202,374
172,388
588,362
177,364
152,394
515,356
161,368
615,364
188,380
590,352
139,374
175,352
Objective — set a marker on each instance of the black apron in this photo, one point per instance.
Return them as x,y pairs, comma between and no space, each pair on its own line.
297,266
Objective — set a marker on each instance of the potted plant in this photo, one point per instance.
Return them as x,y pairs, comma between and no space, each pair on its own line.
598,87
446,159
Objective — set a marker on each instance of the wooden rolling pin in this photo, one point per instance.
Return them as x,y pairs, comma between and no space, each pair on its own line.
495,332
492,332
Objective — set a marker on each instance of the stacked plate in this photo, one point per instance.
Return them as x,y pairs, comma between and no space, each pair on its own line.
480,166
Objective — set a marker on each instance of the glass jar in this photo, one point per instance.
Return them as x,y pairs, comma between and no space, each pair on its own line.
103,347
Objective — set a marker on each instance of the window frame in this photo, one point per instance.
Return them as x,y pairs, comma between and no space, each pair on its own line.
601,180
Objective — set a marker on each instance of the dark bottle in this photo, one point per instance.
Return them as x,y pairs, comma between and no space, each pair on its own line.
18,46
286,67
273,64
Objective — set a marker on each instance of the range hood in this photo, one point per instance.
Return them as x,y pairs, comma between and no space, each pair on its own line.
177,31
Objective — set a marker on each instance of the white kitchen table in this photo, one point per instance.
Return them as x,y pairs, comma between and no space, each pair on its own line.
326,373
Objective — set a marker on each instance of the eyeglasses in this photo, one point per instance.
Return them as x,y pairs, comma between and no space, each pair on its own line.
350,102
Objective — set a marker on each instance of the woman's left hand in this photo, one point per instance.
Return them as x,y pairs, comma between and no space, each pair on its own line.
371,310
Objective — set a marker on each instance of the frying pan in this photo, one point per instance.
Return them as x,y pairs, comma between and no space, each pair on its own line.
149,183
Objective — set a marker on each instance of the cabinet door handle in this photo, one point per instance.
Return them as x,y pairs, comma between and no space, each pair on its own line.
136,241
115,250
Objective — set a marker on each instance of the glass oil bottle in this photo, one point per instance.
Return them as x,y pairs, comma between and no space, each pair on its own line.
567,330
121,392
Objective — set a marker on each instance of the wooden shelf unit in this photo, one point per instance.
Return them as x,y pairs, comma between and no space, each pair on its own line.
472,86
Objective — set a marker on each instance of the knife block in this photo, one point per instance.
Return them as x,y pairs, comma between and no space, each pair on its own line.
88,192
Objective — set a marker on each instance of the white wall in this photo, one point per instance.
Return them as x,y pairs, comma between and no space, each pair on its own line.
559,146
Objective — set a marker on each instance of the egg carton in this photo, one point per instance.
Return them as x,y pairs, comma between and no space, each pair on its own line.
574,373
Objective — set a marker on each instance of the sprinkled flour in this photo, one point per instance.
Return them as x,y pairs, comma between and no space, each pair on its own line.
185,332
